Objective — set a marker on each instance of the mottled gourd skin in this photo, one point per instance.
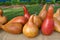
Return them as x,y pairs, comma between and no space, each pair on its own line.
3,20
30,29
48,24
37,20
57,20
13,28
19,19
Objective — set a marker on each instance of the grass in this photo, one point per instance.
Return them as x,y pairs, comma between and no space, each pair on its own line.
33,9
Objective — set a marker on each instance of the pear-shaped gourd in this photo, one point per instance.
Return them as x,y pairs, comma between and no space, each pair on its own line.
57,20
57,14
43,12
14,28
30,29
48,24
3,19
